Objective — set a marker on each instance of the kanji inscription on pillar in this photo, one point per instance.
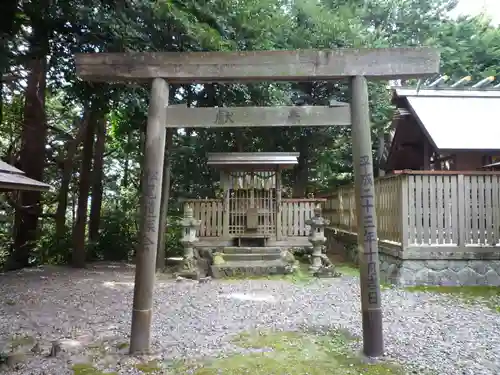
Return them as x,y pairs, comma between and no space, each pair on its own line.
369,230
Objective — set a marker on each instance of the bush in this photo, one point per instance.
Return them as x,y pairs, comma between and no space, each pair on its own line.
118,240
118,237
52,250
173,245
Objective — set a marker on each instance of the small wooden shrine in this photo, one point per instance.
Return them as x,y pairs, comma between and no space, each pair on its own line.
251,209
13,179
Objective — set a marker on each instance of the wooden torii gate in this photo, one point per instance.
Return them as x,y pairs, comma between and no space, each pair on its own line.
303,65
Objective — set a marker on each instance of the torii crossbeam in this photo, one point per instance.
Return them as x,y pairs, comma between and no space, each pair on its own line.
304,65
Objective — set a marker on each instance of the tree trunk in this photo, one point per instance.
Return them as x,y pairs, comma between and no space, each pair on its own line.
31,161
239,140
126,167
67,172
126,173
79,254
142,141
302,170
97,185
73,208
165,195
304,146
1,90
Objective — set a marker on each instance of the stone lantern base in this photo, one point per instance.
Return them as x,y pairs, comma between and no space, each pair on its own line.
326,272
194,266
321,266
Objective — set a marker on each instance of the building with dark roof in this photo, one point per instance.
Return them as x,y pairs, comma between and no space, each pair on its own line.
450,128
12,178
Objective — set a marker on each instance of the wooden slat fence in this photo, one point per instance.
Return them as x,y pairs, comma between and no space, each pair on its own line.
433,210
210,212
453,209
428,209
340,209
482,209
294,214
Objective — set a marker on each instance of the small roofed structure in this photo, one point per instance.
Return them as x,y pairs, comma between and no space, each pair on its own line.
12,178
494,167
252,210
253,160
445,128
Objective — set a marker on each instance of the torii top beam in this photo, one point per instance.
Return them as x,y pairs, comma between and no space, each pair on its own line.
299,65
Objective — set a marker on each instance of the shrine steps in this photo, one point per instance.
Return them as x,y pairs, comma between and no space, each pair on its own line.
250,261
270,252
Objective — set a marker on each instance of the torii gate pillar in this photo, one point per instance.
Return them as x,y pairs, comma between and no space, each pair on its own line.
373,343
152,178
284,66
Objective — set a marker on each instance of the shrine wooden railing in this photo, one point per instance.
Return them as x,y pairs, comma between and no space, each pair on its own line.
340,208
427,208
210,213
294,215
291,218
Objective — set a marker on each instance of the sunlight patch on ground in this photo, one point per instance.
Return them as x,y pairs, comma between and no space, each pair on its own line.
114,284
252,297
31,270
70,343
96,272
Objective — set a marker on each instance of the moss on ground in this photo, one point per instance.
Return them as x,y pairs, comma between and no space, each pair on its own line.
151,367
122,345
18,341
292,353
301,275
88,369
347,269
304,276
487,295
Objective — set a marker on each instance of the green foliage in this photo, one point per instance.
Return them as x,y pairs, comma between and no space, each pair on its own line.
468,46
173,246
53,250
117,238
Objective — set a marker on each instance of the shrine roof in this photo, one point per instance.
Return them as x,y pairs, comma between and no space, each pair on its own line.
12,178
253,160
455,118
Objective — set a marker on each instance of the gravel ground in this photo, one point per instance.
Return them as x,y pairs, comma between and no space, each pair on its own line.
89,311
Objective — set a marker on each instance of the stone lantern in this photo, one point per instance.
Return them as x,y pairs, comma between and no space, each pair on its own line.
317,238
189,225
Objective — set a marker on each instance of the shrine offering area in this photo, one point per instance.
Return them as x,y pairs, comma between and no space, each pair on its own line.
306,325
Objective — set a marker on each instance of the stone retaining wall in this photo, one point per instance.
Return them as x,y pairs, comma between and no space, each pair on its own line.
467,272
467,266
